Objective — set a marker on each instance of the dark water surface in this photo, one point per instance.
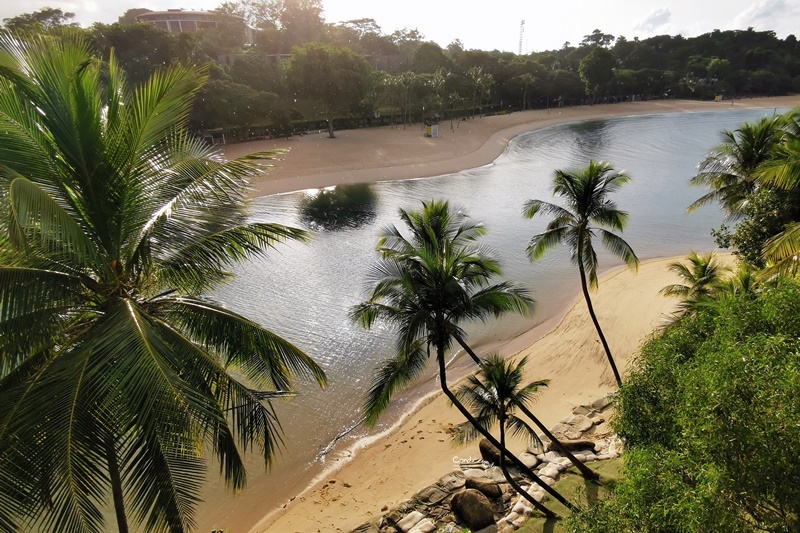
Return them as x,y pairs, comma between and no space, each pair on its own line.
304,291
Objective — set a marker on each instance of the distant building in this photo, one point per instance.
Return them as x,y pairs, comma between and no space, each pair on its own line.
179,20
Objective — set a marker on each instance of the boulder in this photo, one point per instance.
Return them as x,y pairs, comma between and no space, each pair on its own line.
572,445
489,452
580,423
528,459
452,481
488,487
562,431
410,520
601,403
473,509
582,410
431,495
424,526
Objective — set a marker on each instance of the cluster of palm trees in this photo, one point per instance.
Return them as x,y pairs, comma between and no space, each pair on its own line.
117,374
435,276
760,155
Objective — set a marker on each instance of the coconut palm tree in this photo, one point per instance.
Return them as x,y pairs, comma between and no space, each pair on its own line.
702,278
493,396
427,285
585,471
588,213
117,373
782,171
730,169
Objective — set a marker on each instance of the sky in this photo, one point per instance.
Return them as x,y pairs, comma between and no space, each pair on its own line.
495,25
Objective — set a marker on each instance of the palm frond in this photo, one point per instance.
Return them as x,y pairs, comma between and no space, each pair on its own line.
258,353
391,377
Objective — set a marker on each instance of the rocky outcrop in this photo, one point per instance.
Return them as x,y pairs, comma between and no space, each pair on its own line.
478,492
473,509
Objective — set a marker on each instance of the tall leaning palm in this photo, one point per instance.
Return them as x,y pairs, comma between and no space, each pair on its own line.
494,395
115,374
427,283
588,213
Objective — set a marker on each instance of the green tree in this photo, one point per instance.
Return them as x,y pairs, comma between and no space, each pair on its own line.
493,396
709,403
702,280
115,374
782,171
426,286
38,21
336,78
597,70
589,212
729,170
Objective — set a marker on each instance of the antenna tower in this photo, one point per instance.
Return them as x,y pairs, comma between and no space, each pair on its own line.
521,33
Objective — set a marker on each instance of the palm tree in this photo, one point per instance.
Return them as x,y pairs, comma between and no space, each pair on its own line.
115,372
585,471
493,396
589,212
782,171
426,286
703,280
730,169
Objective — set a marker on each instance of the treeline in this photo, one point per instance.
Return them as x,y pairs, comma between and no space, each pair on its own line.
298,72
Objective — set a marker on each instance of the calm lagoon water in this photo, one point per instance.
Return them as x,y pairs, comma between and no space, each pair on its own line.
304,291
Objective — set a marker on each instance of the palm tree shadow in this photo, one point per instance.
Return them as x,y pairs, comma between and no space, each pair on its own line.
549,525
592,491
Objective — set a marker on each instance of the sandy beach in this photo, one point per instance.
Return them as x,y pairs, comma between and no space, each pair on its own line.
564,350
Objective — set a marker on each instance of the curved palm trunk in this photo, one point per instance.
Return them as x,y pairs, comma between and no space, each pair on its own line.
585,289
585,471
503,468
116,485
514,459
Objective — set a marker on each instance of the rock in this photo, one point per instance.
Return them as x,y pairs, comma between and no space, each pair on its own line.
521,508
488,487
489,452
431,495
423,526
366,528
473,509
535,449
528,459
548,480
394,517
551,470
572,444
410,520
582,410
551,456
488,529
581,423
602,403
452,481
560,429
496,475
510,517
475,472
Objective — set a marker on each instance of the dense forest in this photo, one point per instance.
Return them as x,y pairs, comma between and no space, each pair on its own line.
279,67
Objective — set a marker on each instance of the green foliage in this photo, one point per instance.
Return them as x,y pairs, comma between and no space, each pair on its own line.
344,206
597,70
117,220
335,77
39,21
709,417
431,278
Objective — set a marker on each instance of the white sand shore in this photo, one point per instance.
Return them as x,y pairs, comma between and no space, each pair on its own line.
416,453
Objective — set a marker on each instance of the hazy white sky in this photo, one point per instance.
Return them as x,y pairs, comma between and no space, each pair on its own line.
495,24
